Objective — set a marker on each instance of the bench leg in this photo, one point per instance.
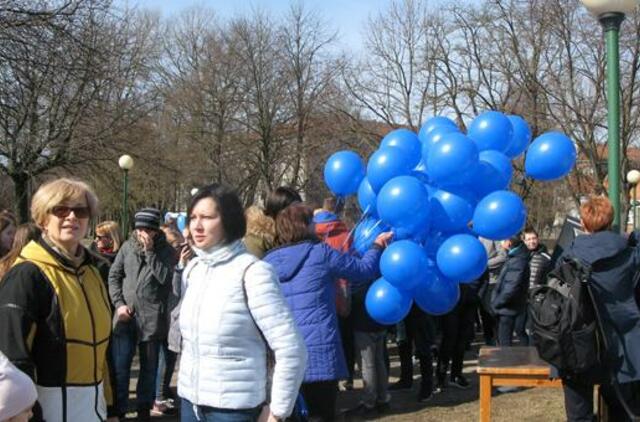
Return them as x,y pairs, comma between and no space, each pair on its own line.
485,398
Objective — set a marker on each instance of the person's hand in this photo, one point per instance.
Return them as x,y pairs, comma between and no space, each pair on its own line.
383,239
123,313
146,240
266,415
186,253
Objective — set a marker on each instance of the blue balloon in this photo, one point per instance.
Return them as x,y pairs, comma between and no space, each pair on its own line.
366,232
343,172
420,172
493,173
436,294
462,258
434,137
387,304
403,203
450,211
403,263
435,122
385,164
499,215
451,161
407,141
433,243
491,130
367,198
551,156
520,138
181,222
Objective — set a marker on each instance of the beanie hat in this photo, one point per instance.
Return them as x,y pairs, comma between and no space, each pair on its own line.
147,218
17,391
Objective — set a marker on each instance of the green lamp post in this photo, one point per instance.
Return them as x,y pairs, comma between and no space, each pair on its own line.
611,13
126,163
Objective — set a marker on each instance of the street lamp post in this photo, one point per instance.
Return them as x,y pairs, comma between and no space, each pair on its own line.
611,13
126,163
633,177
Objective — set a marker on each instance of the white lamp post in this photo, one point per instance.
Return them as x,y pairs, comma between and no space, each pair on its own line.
633,177
126,163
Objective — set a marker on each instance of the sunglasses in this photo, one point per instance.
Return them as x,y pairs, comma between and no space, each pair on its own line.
61,211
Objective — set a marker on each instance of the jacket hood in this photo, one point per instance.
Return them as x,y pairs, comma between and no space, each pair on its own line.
330,228
325,217
596,246
288,260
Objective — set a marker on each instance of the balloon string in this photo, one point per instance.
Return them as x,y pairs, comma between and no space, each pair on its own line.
362,217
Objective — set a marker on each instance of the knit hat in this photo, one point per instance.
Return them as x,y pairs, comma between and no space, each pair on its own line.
17,391
148,218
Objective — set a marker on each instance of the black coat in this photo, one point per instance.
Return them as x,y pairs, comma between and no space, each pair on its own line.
614,284
510,294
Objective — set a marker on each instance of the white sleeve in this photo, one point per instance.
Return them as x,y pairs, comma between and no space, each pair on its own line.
271,313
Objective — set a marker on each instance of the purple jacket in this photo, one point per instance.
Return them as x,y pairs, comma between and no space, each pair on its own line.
307,272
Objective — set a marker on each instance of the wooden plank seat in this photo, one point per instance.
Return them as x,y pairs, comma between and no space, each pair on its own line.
512,367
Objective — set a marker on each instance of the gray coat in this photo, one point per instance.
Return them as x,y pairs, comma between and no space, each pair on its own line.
142,281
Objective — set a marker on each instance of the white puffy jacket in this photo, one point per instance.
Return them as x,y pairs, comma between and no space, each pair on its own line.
223,362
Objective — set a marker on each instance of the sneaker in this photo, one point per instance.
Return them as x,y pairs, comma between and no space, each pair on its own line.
162,408
459,382
425,394
400,385
347,385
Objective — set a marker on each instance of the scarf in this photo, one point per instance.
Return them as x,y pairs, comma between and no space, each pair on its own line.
218,254
76,260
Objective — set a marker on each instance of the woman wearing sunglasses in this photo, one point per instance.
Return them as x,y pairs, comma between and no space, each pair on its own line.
55,320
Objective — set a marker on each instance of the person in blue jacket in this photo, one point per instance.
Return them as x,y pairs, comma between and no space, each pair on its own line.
307,269
509,298
615,261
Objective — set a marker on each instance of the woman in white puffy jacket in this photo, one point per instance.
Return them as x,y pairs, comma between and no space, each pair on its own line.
232,309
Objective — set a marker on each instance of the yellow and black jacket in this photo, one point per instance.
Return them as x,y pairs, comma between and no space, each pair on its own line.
55,324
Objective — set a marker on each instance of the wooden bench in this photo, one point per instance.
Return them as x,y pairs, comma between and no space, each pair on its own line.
512,367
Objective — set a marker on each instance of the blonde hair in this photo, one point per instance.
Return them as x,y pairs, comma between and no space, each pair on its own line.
259,224
58,191
111,229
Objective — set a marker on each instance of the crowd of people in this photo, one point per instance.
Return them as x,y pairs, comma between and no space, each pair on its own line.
263,310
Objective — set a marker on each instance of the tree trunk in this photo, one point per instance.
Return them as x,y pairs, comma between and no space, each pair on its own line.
21,195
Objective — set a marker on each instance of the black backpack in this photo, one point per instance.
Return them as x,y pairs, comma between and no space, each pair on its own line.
564,321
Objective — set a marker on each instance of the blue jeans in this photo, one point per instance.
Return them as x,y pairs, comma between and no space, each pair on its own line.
123,348
191,413
166,364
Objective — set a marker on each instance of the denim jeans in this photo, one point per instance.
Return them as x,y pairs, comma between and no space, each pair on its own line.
370,350
124,341
191,413
166,364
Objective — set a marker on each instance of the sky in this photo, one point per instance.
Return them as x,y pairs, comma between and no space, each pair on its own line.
348,17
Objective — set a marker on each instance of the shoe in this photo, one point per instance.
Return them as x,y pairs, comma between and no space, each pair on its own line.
347,385
503,390
425,395
361,411
459,382
400,385
163,408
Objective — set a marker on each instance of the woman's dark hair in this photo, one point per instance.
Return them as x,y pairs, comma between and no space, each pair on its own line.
280,199
229,206
292,224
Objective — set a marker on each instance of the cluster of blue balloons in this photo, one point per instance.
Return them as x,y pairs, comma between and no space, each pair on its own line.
439,191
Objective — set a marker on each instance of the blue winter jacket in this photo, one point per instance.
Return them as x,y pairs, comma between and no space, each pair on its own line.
614,283
509,297
307,272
